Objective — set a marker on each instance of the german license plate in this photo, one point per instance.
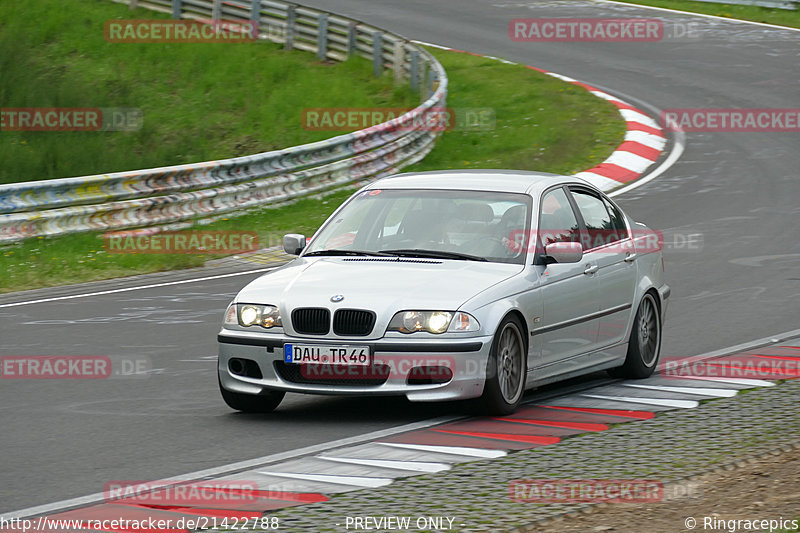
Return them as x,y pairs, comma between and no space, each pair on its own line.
319,354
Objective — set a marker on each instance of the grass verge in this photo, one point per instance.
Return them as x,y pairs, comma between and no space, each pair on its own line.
541,124
780,17
200,101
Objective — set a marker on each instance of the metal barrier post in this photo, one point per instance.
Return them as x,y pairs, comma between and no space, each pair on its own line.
216,10
322,36
255,18
377,53
397,59
290,14
413,59
351,38
176,9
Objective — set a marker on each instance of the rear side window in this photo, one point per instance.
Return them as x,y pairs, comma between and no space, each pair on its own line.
617,220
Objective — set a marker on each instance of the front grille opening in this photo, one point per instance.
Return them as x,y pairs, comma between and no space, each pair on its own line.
311,320
340,376
353,322
244,367
429,375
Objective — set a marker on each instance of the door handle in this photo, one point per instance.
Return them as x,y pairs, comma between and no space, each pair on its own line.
630,258
591,269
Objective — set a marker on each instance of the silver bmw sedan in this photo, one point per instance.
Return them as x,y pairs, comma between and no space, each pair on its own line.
451,285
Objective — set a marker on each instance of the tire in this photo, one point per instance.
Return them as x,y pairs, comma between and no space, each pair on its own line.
644,345
505,370
252,403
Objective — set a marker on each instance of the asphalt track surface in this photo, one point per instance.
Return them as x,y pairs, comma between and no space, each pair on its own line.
62,439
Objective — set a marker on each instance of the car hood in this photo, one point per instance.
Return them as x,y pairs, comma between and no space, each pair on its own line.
384,286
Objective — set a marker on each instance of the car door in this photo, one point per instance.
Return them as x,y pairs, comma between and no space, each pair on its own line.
570,300
608,243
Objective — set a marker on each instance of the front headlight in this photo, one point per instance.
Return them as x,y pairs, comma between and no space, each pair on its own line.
266,316
433,322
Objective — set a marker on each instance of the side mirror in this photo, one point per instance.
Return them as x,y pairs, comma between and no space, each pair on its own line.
293,243
564,252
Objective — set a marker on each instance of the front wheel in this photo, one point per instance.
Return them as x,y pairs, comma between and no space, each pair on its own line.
252,403
505,370
644,345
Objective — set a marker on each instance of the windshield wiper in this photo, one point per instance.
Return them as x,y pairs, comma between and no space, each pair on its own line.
439,254
348,252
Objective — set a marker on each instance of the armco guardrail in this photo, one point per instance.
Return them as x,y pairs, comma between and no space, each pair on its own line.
172,194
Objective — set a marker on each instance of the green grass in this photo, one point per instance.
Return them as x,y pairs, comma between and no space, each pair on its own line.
199,101
541,124
780,17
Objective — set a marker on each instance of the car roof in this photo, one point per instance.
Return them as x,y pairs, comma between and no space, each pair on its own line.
516,181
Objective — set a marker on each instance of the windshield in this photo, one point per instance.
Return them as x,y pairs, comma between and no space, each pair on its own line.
447,224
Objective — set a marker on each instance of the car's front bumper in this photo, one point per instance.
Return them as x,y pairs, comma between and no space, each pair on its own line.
465,358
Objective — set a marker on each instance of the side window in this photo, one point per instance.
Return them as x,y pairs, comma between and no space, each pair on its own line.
617,220
600,228
557,222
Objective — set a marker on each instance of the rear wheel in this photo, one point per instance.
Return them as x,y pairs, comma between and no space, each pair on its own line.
265,402
644,345
506,368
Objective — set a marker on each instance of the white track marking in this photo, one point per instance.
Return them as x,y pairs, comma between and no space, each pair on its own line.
640,118
606,96
352,481
412,466
680,404
136,288
733,381
452,450
726,19
718,393
647,139
672,158
629,161
561,77
601,182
